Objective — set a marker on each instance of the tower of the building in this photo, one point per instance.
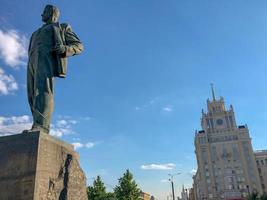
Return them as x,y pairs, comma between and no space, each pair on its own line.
226,165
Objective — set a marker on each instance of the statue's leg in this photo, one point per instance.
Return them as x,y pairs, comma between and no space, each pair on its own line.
43,89
43,104
30,84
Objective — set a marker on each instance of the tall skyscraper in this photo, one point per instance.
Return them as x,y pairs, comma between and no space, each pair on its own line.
226,164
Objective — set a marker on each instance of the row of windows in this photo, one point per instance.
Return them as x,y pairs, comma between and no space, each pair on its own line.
223,138
261,162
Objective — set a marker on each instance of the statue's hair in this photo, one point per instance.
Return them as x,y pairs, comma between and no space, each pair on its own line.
54,10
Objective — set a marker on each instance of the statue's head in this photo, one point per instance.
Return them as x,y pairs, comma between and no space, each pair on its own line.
50,14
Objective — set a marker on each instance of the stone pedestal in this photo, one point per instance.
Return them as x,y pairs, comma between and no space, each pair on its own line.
37,166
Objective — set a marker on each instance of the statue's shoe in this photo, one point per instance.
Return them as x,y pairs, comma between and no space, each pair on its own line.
36,129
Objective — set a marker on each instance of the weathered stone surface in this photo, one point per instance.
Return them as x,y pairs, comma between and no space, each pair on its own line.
37,166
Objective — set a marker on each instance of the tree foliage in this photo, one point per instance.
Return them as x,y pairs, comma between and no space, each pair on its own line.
98,190
263,197
127,189
255,196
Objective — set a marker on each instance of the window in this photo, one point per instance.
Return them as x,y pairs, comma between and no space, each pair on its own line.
202,140
213,153
235,152
209,189
230,187
230,179
231,121
204,155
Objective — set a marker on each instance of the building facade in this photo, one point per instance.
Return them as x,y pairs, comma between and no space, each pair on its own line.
226,163
145,196
261,160
184,194
191,195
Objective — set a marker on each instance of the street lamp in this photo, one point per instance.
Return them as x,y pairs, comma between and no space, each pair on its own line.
171,180
248,190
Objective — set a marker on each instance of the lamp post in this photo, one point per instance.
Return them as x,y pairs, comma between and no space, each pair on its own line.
171,180
248,190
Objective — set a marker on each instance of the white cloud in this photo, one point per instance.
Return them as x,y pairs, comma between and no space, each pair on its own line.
164,180
168,166
7,83
88,145
13,47
167,109
193,171
147,105
87,118
59,132
14,125
62,122
77,145
63,126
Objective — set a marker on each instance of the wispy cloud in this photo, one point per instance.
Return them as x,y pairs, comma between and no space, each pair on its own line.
167,166
16,124
63,127
13,47
193,171
78,145
167,109
89,145
148,104
87,118
7,83
164,180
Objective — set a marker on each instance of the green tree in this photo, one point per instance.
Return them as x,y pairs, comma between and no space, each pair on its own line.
263,197
127,188
98,191
253,196
111,196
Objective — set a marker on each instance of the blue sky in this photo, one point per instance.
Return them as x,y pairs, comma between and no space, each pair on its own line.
134,97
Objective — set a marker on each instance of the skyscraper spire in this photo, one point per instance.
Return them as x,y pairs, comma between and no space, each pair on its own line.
213,93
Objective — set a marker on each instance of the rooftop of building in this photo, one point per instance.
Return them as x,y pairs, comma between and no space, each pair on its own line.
264,151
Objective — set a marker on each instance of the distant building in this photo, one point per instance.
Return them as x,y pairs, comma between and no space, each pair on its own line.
184,195
145,196
227,169
261,160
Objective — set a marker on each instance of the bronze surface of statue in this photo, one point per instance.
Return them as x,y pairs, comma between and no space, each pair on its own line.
49,48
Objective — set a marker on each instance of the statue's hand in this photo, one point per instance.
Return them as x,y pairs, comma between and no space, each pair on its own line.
59,49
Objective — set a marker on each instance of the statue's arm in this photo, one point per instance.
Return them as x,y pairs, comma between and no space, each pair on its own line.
73,44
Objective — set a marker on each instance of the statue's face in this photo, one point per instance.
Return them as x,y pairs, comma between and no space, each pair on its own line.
47,14
50,14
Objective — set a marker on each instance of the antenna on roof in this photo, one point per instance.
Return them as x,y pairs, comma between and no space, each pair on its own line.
213,93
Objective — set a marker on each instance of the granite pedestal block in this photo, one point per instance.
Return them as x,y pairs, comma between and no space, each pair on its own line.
37,166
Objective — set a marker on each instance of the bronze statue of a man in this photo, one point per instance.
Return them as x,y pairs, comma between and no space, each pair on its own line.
49,48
